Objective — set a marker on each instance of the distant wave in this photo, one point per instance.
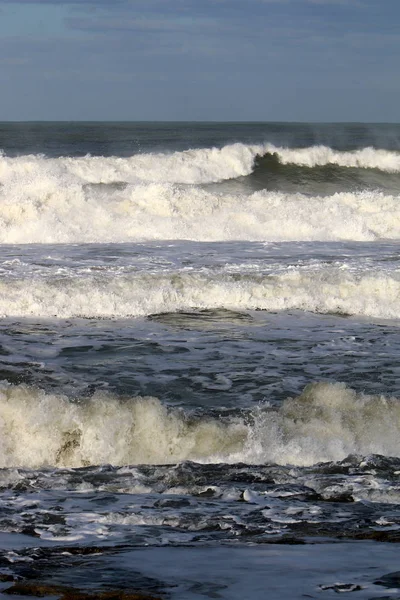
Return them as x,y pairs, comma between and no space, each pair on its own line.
365,158
326,422
205,165
322,289
273,173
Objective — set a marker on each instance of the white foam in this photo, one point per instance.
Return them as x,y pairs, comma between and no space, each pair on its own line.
327,422
44,200
191,166
326,289
47,429
48,210
365,158
195,166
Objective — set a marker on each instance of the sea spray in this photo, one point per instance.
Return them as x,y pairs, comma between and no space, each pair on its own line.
325,423
53,212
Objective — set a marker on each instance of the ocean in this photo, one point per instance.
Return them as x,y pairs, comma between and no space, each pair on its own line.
200,360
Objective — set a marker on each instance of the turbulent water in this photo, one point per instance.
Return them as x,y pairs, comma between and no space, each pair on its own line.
199,347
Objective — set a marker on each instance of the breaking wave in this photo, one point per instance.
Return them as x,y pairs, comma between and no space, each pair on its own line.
51,213
189,167
195,166
365,158
325,423
326,289
158,196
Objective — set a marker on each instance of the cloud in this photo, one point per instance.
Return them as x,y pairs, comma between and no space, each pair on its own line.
155,23
65,2
15,61
179,4
175,58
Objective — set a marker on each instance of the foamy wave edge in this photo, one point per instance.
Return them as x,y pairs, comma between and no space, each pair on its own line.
196,166
327,422
323,290
47,212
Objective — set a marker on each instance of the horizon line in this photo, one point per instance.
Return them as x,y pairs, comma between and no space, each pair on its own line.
256,122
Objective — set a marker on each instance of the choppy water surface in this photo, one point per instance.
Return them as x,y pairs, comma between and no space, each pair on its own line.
199,359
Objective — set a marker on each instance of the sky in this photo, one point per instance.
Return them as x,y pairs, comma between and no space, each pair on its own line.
200,60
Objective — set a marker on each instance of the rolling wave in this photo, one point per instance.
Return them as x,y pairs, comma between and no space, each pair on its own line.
46,212
188,167
273,173
195,166
326,422
364,158
158,196
322,289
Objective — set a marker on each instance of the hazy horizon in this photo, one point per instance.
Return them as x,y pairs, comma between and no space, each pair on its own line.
210,121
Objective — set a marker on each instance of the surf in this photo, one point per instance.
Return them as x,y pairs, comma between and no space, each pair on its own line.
119,293
48,211
327,422
194,166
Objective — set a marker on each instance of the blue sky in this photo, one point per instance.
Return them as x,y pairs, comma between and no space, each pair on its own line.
267,60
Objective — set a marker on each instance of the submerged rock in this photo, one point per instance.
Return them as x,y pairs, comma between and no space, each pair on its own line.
39,590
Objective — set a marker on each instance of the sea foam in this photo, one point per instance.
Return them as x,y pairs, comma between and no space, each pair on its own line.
204,165
322,289
157,196
50,212
325,423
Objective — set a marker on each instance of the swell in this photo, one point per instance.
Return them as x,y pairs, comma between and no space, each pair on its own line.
326,289
325,423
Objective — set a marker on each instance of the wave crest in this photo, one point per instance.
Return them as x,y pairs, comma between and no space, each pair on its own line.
364,158
156,196
325,290
197,166
325,423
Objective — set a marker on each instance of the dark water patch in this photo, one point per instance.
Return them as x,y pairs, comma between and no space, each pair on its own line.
391,580
271,174
206,358
70,593
114,186
202,319
77,573
127,138
354,464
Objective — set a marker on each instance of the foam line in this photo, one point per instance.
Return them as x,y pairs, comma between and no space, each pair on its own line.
326,289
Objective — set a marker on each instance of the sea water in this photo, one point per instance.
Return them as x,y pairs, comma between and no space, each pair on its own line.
199,358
